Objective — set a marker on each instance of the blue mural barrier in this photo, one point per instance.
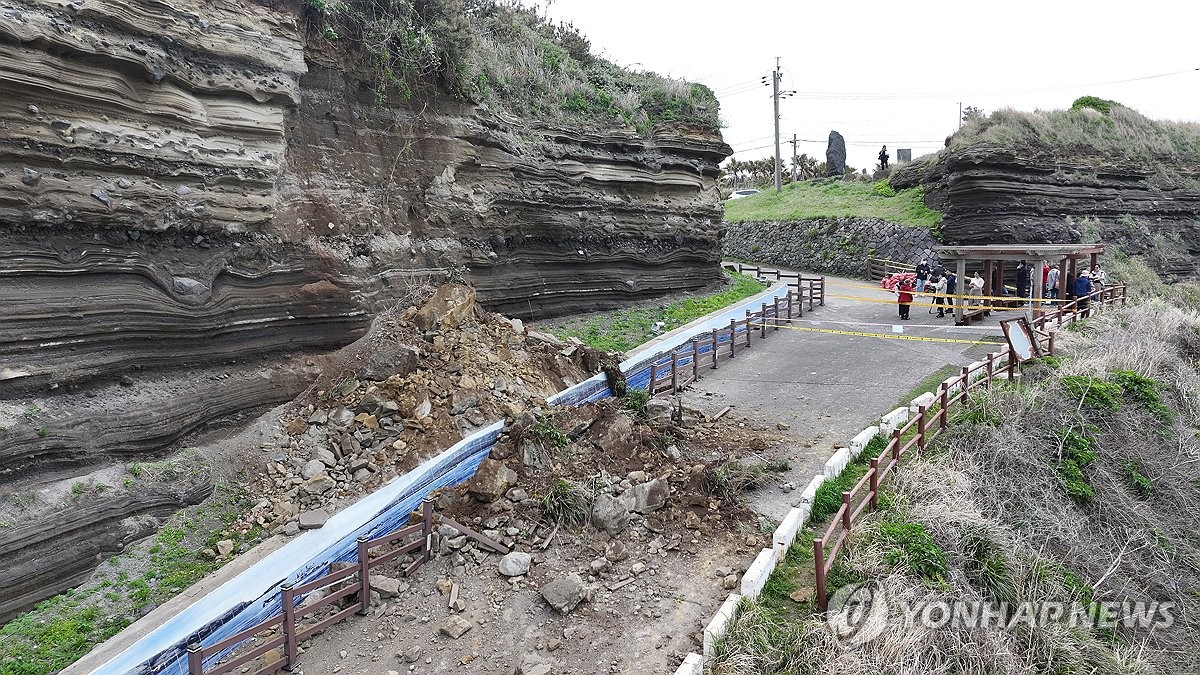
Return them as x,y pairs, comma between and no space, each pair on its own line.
253,596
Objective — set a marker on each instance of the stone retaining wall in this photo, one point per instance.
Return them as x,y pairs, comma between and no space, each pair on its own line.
838,246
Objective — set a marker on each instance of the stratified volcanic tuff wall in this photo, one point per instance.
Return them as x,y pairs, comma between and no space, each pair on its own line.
996,195
195,200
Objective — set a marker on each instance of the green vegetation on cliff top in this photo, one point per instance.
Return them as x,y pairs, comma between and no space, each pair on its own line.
1104,130
509,59
804,200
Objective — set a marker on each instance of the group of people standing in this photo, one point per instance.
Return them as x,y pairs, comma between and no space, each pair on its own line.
941,283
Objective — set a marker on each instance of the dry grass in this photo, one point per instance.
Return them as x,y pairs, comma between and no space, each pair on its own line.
993,498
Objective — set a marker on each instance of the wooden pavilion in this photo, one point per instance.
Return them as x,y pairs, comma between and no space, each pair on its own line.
994,258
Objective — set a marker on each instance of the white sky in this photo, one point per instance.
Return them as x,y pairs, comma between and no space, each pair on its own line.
1016,53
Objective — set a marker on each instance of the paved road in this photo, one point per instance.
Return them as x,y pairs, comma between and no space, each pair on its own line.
828,387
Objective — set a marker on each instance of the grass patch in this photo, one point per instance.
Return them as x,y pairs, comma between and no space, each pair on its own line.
565,503
929,383
1077,453
1143,390
732,478
1093,391
805,201
829,495
624,329
910,546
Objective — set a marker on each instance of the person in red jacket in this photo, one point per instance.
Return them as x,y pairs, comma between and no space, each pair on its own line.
904,296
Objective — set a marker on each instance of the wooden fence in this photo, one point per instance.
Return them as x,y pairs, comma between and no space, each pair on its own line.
814,285
284,632
931,420
672,371
878,268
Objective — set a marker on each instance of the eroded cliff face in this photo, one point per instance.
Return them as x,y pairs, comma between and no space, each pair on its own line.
196,200
996,196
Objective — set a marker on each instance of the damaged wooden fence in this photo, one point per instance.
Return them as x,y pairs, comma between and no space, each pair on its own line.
283,633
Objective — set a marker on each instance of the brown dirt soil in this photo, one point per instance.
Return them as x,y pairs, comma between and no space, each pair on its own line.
648,589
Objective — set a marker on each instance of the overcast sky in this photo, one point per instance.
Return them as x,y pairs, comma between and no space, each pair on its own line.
894,72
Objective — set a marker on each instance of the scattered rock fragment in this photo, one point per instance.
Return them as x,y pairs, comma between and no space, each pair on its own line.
455,626
515,564
565,593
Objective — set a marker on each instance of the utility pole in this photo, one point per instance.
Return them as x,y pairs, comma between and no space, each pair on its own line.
776,77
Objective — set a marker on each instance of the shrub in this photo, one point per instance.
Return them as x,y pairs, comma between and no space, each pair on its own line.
546,430
1095,103
882,188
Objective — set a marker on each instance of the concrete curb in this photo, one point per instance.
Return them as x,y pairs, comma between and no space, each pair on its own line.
764,564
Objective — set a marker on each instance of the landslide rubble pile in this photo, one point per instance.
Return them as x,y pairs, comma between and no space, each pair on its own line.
420,382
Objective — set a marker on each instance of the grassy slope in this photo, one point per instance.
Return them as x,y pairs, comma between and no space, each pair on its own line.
624,329
970,529
803,200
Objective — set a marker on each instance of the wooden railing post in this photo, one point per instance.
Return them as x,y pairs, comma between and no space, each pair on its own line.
896,447
195,662
846,522
1050,347
819,568
991,366
874,483
290,651
789,303
732,337
749,327
810,295
653,377
695,359
822,291
763,323
714,349
966,384
921,429
944,414
776,313
1012,360
364,575
427,526
674,372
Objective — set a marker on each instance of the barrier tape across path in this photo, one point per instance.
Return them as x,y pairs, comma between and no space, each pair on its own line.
254,595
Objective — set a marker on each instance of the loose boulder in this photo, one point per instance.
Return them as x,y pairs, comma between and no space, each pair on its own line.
449,307
565,593
610,513
515,564
491,481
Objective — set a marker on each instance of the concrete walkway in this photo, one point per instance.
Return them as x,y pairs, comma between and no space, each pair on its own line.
827,387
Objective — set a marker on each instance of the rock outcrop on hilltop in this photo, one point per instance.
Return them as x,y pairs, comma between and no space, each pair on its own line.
1039,189
198,200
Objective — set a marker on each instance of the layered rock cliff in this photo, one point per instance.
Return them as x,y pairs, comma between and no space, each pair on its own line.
196,199
1126,181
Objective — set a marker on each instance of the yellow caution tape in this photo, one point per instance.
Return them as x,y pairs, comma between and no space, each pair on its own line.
947,307
947,295
893,336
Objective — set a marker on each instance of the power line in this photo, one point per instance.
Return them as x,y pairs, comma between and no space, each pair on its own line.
860,95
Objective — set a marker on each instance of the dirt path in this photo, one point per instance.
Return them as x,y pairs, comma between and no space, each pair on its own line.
824,388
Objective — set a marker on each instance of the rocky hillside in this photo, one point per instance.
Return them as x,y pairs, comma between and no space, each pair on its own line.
200,200
1096,172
